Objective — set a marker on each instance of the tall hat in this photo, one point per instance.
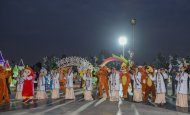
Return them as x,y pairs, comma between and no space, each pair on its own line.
21,65
2,60
43,69
7,66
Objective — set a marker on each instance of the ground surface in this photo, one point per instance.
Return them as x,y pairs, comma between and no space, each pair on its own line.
96,107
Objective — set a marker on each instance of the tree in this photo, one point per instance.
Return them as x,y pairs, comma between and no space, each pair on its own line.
160,61
50,62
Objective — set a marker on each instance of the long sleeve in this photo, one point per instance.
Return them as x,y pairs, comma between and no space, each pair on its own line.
153,78
84,78
165,76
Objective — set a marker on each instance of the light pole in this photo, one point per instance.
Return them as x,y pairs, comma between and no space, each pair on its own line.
123,42
133,23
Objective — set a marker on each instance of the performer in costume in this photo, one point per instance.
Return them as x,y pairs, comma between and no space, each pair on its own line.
61,78
55,84
150,87
28,86
51,80
103,81
114,85
41,92
88,85
182,92
125,79
69,85
19,87
137,88
160,87
3,85
143,79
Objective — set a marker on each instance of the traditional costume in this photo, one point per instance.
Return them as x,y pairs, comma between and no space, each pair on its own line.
137,87
28,86
55,85
114,86
88,86
61,78
41,89
160,88
69,86
19,87
182,97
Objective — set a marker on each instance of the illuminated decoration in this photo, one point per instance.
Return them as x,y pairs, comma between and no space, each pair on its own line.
81,63
21,65
2,60
15,71
114,58
7,66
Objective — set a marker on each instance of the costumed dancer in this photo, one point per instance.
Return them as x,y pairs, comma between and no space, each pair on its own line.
4,93
28,86
137,86
61,78
19,87
125,79
55,84
51,81
182,92
88,85
41,90
160,87
150,86
103,81
69,85
141,69
114,85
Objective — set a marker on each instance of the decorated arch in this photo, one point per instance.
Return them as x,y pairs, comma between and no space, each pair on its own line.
80,63
115,58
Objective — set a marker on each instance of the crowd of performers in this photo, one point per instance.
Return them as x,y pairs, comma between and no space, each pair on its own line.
146,82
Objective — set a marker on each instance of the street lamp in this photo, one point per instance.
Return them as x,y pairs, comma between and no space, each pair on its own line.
133,22
123,42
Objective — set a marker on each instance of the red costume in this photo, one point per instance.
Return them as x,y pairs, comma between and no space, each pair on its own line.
28,86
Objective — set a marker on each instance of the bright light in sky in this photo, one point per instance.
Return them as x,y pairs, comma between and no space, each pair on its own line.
122,40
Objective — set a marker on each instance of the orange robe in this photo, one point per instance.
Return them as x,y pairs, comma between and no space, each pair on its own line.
61,79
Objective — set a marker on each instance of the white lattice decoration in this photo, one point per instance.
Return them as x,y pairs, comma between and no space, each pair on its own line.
81,63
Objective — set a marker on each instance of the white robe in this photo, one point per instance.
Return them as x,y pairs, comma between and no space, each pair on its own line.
137,80
182,83
56,84
160,85
69,80
114,81
41,83
20,82
88,82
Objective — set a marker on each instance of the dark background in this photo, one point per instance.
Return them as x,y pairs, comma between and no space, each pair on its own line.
31,29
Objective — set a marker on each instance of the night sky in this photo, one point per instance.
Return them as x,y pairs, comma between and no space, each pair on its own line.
31,29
